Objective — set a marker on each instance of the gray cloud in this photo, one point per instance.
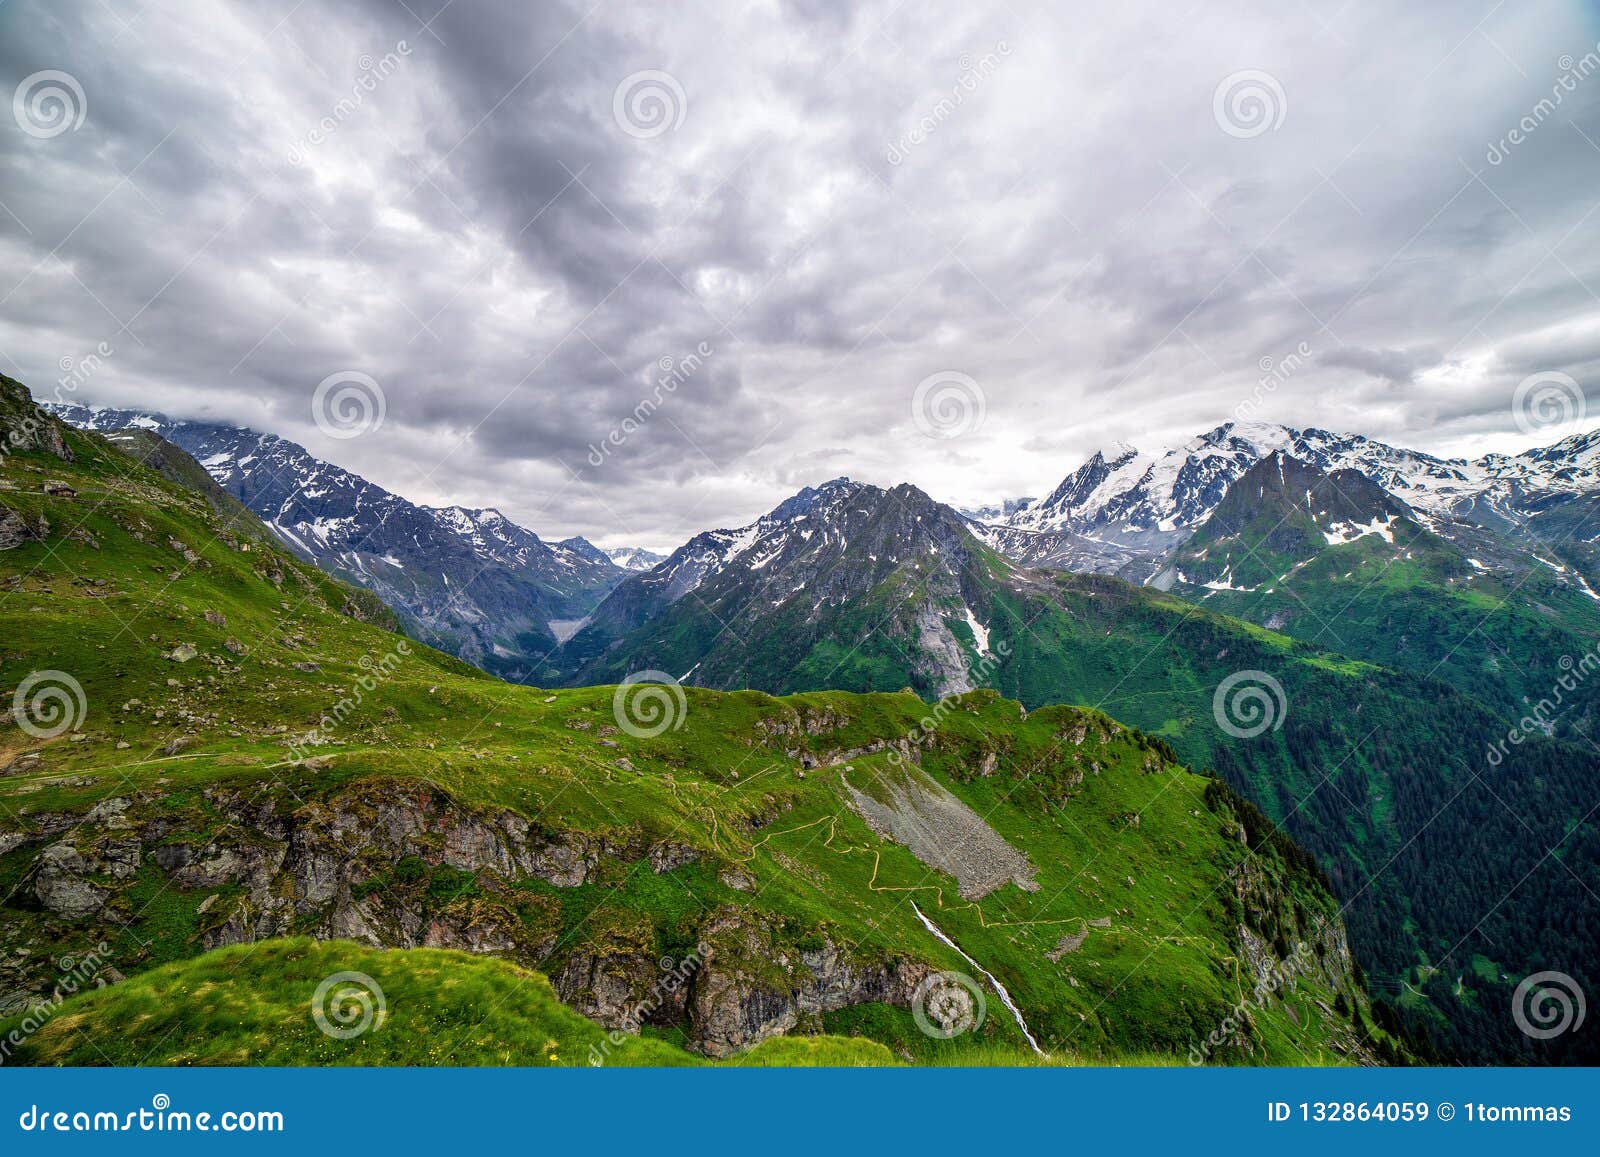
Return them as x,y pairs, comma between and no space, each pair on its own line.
856,197
1397,367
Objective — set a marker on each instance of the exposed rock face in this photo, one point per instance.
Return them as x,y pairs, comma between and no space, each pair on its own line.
60,886
368,863
940,661
15,529
789,581
1280,944
23,427
750,987
910,807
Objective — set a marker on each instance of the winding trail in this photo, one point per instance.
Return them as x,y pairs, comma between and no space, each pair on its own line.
1005,997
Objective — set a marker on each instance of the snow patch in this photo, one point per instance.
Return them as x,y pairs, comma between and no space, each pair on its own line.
979,631
1342,532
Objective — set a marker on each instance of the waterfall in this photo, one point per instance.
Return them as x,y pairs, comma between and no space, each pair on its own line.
1005,997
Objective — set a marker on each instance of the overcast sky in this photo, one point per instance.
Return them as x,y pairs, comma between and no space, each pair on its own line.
1084,222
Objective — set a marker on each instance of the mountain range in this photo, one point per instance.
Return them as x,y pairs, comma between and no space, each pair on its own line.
1393,616
1402,647
225,785
469,581
1123,511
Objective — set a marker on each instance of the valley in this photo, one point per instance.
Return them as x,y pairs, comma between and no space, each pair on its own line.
248,757
1378,633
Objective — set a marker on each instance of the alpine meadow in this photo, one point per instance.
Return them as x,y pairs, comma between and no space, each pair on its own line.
984,551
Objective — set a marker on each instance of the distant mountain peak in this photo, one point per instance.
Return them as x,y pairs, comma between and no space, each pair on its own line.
468,580
635,558
824,552
1115,453
1281,513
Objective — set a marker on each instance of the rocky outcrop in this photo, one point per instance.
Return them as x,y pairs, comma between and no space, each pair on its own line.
1282,943
23,427
401,864
751,986
16,528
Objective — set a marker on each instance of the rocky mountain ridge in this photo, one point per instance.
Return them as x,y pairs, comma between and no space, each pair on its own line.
469,581
1122,510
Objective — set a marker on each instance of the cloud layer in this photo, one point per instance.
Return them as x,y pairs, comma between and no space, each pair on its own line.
634,270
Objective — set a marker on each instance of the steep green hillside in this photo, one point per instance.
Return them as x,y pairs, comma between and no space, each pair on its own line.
1335,561
175,465
211,748
1384,775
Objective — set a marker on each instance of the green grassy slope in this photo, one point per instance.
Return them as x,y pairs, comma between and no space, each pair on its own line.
1385,776
253,1005
249,760
1382,774
175,465
1481,614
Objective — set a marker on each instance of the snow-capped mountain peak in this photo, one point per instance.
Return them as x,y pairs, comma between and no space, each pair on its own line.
635,558
1121,509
